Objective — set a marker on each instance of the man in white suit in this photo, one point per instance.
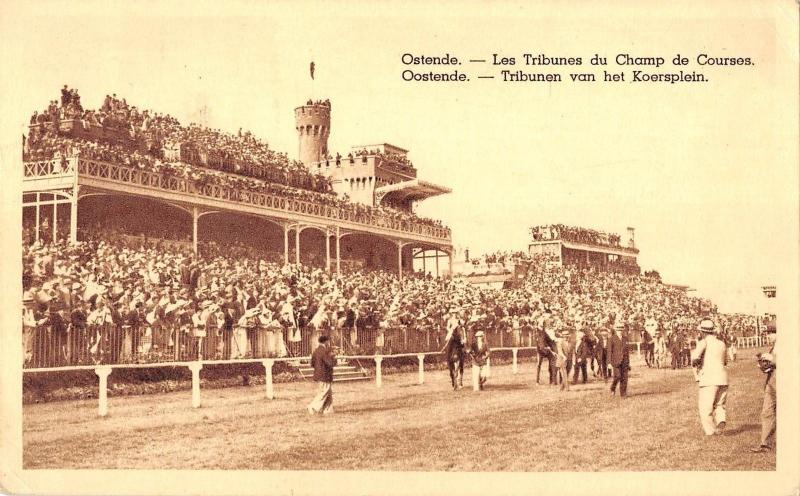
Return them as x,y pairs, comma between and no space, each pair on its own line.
711,357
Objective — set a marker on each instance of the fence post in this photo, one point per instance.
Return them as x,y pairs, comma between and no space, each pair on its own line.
102,395
475,377
489,365
378,378
195,368
268,366
421,358
514,360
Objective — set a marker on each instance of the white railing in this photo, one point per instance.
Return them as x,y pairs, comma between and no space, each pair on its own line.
43,169
752,341
103,371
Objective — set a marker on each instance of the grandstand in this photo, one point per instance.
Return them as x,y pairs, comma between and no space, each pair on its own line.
584,247
125,280
143,158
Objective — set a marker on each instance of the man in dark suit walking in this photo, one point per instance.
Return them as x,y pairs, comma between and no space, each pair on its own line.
583,353
323,361
601,353
619,358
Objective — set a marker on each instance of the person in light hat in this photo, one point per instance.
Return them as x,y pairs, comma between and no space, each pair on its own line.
561,359
479,350
710,358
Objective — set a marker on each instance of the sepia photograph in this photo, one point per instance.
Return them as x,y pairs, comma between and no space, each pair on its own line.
287,248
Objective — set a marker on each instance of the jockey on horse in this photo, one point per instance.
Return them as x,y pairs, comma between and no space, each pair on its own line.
454,344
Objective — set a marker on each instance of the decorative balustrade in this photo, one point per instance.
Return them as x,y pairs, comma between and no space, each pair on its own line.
169,182
42,169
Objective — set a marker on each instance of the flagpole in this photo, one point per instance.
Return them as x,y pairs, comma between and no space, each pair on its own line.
311,69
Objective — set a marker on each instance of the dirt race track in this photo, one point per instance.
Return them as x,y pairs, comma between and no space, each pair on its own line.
514,425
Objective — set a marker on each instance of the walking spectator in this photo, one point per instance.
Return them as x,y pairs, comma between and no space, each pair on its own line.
711,357
767,362
618,355
323,361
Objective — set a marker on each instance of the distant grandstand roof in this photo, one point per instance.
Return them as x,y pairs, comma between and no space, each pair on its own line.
382,147
415,189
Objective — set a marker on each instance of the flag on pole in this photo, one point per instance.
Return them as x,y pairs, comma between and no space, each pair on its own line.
311,69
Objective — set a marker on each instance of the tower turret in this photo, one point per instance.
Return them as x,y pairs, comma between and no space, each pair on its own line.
313,124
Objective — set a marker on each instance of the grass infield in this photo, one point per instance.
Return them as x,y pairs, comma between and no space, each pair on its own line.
513,425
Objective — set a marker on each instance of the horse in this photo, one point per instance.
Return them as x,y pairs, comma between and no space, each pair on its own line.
455,360
546,349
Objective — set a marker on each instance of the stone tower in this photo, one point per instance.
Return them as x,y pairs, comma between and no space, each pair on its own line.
313,124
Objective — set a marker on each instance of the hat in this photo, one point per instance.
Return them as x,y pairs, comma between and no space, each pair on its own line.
252,312
707,325
619,325
479,334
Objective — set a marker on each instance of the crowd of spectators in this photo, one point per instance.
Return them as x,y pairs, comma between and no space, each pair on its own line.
575,234
168,290
159,144
323,103
503,257
162,136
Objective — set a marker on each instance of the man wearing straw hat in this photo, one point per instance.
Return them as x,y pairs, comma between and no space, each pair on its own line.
619,359
710,357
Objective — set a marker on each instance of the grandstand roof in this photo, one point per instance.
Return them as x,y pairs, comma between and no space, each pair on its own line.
615,250
414,189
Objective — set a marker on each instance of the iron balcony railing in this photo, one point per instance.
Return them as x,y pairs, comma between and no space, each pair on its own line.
168,182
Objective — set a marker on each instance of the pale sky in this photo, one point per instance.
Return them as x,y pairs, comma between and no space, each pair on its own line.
705,172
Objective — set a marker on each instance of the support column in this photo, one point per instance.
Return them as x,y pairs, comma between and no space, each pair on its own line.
268,366
449,265
102,394
297,244
476,386
195,217
378,377
36,238
438,253
73,218
400,260
55,218
73,212
338,252
327,251
421,378
424,268
195,368
286,244
514,360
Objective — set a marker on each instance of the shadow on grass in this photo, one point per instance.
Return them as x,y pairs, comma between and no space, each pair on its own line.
505,387
649,393
742,428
